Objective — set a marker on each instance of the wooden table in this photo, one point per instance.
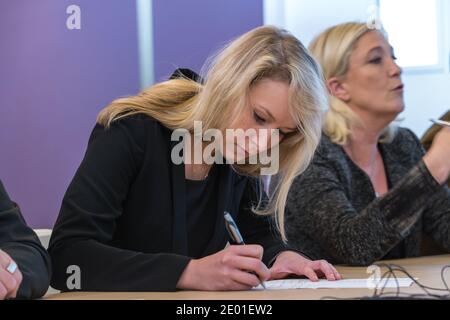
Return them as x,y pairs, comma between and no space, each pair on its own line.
426,269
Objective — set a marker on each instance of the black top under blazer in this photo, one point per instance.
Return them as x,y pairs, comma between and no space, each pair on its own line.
123,217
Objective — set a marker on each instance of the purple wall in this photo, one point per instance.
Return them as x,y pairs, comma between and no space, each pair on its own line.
187,32
53,83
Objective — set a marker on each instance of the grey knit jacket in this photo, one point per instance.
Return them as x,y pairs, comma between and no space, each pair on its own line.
332,211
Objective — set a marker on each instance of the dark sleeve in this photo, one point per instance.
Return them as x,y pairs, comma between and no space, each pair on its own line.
23,246
437,218
320,210
88,216
259,229
437,214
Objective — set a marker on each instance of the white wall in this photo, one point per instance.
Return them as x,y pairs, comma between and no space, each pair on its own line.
427,94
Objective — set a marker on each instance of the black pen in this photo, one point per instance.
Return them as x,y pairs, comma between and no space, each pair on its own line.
235,234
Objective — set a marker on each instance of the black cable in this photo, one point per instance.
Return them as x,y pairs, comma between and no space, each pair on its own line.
391,272
443,277
392,268
380,294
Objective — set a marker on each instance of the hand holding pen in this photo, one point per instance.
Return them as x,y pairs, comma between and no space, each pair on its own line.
237,267
235,234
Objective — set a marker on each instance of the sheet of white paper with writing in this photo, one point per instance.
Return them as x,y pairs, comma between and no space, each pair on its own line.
340,284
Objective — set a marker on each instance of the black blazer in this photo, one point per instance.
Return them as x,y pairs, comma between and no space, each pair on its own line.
123,219
24,247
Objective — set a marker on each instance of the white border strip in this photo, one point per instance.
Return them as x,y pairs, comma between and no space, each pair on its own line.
273,13
145,42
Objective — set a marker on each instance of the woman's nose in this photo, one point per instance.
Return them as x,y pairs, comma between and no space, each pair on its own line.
394,69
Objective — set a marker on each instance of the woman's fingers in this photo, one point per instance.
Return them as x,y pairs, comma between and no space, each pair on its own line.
252,265
10,281
9,284
316,269
323,267
5,259
248,250
3,291
245,266
247,279
338,276
310,273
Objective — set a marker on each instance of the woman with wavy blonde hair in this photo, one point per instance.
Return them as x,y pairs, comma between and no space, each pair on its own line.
136,219
371,192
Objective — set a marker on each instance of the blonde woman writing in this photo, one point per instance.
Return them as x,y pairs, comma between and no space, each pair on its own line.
136,218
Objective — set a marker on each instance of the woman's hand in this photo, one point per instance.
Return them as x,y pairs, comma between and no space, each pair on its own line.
291,263
9,283
234,268
437,158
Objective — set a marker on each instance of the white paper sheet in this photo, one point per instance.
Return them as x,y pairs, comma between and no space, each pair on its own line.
346,283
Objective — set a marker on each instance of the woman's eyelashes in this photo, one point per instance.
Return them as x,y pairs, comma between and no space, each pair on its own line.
258,118
376,60
261,121
393,56
379,60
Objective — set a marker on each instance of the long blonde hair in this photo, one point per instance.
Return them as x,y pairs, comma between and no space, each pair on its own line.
332,49
263,53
